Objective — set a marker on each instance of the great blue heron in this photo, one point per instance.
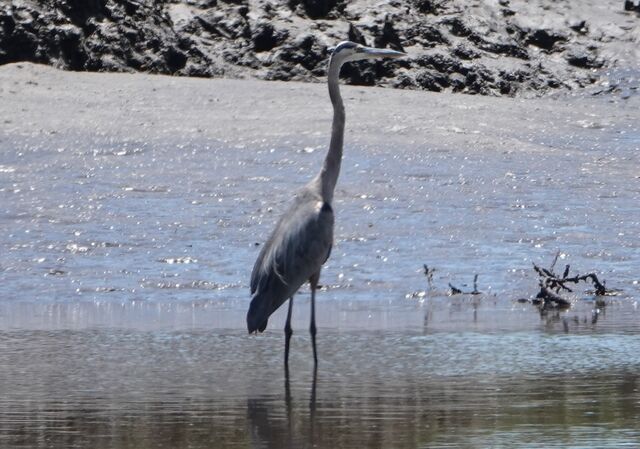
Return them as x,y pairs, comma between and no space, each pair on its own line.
302,239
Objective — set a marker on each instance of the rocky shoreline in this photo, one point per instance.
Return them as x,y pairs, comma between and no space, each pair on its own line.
502,47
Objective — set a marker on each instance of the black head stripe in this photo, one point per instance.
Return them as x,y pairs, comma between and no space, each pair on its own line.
344,46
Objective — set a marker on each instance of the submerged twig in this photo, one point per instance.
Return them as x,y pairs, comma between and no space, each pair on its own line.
457,291
555,259
547,298
475,285
428,272
454,290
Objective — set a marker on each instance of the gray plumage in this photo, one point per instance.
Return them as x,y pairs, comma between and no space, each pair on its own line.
299,245
302,239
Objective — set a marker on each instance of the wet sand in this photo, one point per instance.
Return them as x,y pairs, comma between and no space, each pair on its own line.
133,207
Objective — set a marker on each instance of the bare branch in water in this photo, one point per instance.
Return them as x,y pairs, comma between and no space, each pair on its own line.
555,259
458,291
551,284
475,285
428,272
454,290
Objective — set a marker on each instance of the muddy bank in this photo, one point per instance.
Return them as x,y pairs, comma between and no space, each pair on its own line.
506,47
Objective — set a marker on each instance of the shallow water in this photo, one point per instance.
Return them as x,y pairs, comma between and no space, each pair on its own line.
125,266
95,218
451,377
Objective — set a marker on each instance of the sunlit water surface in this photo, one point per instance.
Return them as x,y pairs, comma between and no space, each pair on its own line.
124,281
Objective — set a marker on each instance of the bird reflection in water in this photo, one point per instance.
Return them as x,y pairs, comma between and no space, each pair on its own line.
269,428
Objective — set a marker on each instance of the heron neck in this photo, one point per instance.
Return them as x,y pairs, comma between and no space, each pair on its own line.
331,167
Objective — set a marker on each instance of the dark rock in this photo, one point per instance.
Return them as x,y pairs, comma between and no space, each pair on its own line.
203,3
264,36
429,81
457,82
545,39
315,9
463,52
514,31
131,7
499,45
628,5
479,80
579,26
553,83
69,42
361,73
354,35
17,43
425,35
440,62
305,50
581,58
175,59
243,11
404,82
198,65
506,88
427,6
232,26
223,37
80,11
518,76
388,37
457,26
207,22
282,73
387,69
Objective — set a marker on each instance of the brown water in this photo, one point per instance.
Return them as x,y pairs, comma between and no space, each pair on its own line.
463,372
124,271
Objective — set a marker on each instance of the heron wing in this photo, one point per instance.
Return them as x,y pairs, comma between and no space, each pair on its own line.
296,250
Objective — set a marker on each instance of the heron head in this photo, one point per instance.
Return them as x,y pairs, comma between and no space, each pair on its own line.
350,51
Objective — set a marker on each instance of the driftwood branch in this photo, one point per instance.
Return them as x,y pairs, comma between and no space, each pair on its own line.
428,272
547,298
457,291
454,290
551,281
552,284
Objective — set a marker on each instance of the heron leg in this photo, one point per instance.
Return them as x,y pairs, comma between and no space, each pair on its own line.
287,335
312,327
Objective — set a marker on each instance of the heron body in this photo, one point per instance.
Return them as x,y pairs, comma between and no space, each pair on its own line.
301,241
299,245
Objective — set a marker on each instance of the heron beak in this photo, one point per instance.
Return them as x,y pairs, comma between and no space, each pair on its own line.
371,53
